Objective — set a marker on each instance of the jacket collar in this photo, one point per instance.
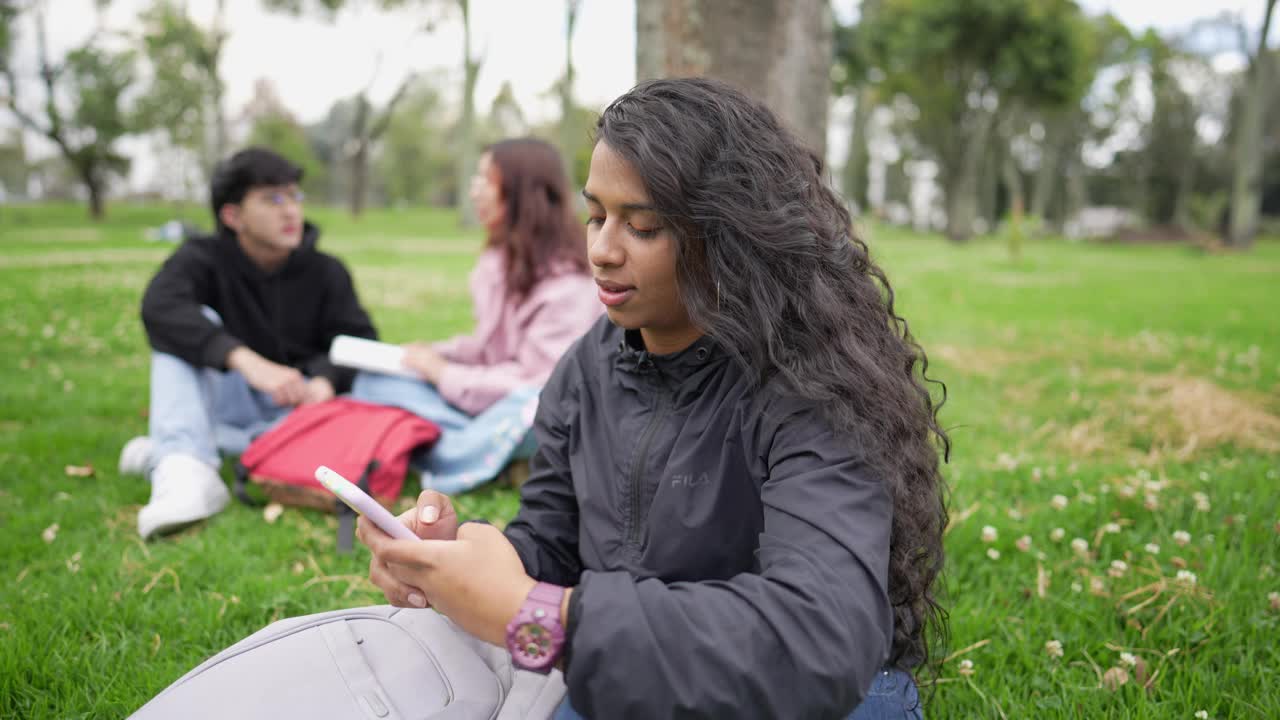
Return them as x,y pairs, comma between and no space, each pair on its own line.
632,357
310,237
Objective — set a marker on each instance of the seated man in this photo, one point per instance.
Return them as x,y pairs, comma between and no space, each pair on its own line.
240,325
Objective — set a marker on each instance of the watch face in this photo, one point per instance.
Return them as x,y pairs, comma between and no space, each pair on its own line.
533,641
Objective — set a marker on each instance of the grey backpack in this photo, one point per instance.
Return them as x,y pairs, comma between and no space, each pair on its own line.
373,663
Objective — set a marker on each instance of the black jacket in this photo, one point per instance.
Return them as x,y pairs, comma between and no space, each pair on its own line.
730,551
289,316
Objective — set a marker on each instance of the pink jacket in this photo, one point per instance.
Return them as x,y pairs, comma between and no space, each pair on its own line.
514,344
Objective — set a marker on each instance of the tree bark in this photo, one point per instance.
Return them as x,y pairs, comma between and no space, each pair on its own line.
359,156
1045,183
855,165
569,138
962,190
220,137
1246,184
97,204
778,51
467,122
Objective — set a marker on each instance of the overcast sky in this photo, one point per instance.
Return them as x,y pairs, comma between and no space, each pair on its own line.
314,62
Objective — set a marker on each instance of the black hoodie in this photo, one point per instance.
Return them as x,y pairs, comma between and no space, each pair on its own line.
730,551
289,316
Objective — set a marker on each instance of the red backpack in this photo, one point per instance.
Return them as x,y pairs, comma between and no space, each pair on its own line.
366,443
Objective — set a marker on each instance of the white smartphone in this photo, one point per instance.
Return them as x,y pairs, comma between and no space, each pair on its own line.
358,500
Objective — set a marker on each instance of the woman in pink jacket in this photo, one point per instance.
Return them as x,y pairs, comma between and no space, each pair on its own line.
533,296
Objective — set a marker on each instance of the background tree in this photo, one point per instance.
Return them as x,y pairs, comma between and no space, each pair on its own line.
1246,184
415,159
779,51
82,109
572,132
185,96
465,133
963,61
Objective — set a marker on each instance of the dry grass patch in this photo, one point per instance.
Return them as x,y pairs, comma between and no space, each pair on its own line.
1169,415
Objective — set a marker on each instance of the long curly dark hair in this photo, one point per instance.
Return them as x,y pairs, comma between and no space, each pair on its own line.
541,236
769,266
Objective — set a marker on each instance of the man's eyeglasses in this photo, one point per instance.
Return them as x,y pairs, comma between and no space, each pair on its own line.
280,197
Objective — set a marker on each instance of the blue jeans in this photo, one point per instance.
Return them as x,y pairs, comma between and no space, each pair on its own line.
201,411
471,450
892,695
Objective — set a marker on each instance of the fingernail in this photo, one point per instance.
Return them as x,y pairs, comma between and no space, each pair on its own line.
417,600
430,514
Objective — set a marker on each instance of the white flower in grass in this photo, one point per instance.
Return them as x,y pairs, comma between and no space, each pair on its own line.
1128,659
1097,586
1181,537
1128,492
1202,715
1111,528
1080,546
1118,568
993,553
989,534
966,667
1053,648
1152,548
1186,577
1152,502
1024,543
1274,599
1059,502
1057,534
1077,587
1202,502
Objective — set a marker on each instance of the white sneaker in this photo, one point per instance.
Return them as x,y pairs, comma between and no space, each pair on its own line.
183,490
134,456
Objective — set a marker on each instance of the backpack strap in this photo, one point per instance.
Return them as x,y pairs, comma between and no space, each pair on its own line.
241,487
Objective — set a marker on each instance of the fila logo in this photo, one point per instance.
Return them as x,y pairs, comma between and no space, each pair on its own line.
690,480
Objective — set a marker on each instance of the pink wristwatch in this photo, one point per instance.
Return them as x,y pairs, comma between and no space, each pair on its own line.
535,636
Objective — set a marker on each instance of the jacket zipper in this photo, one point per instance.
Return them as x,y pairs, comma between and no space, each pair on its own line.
637,469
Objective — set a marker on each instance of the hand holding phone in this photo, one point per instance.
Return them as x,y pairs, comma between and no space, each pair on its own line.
362,503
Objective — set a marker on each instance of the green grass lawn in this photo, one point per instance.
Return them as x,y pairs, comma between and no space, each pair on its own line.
1139,384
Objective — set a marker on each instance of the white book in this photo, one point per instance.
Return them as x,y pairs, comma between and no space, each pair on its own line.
371,355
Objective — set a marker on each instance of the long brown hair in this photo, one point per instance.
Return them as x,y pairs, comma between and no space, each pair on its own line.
540,236
769,266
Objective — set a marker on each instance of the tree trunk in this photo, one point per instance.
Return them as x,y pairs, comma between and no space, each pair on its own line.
855,164
359,164
1246,183
1013,181
962,190
359,177
1182,196
467,123
569,137
778,51
220,139
989,185
97,203
1046,179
